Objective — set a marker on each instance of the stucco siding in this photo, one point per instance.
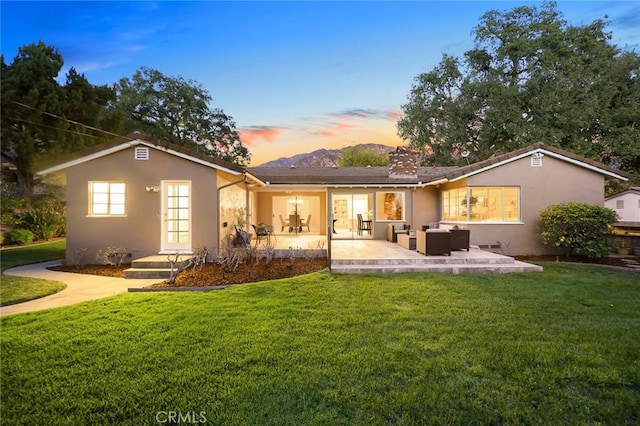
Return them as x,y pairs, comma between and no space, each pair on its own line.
425,207
140,230
555,182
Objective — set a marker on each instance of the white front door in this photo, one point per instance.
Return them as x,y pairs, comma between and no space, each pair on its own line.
176,223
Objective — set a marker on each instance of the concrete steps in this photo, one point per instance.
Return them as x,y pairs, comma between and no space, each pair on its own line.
151,267
450,268
460,262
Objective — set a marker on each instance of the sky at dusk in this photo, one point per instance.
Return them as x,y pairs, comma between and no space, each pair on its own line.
295,76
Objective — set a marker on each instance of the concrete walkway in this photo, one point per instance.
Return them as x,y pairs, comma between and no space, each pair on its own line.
80,287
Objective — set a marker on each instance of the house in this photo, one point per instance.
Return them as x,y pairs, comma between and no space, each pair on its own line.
147,196
153,197
627,205
498,199
627,230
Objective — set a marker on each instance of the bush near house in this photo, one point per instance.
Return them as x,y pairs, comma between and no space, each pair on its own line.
18,236
578,228
46,221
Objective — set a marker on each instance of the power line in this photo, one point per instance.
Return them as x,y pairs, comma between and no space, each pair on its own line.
51,127
68,120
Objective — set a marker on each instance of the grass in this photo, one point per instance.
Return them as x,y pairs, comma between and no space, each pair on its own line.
558,347
19,289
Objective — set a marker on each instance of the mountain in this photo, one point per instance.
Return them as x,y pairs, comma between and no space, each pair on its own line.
321,157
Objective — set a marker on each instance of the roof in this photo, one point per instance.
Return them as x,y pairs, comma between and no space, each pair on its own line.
374,176
578,160
341,176
134,139
331,176
630,190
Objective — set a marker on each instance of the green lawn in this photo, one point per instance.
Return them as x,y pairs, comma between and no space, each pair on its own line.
19,289
558,347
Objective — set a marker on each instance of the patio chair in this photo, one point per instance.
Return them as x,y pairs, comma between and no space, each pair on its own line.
304,224
433,242
394,229
459,239
283,223
261,233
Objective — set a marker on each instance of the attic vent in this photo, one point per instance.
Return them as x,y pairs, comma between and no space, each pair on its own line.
536,159
141,153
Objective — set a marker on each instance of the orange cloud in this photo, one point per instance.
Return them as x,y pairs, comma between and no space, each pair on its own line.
394,115
250,136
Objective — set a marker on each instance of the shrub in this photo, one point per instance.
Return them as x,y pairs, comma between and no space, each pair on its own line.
18,236
578,227
113,256
46,221
11,203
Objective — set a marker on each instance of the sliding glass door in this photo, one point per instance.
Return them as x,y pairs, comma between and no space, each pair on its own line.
352,215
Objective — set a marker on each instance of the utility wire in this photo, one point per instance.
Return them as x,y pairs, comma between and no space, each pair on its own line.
51,127
68,120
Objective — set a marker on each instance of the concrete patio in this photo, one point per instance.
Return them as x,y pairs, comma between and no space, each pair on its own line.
380,257
361,256
365,255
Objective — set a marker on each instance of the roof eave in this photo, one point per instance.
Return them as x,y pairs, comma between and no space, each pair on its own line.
545,152
128,144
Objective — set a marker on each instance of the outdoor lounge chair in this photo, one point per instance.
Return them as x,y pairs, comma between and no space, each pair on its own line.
459,239
433,241
393,229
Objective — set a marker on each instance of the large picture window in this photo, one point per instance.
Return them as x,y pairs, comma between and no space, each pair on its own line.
106,198
481,204
390,206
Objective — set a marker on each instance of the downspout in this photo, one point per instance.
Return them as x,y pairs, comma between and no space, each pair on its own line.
243,180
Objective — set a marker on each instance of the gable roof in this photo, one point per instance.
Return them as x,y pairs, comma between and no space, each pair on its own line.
135,139
540,148
379,176
330,176
630,190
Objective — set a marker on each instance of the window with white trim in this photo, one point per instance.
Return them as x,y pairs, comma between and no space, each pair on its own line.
619,204
107,198
481,204
390,206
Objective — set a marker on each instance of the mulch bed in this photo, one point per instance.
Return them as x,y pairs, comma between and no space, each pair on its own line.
212,275
209,274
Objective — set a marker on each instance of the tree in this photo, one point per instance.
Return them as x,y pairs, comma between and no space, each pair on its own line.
357,156
177,110
29,89
530,78
36,111
86,104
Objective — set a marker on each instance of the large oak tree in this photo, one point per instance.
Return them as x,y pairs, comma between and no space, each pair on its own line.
530,78
178,111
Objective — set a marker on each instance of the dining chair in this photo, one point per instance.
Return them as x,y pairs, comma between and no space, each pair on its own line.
306,224
283,223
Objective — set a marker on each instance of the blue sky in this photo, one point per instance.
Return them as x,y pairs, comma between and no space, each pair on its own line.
295,76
